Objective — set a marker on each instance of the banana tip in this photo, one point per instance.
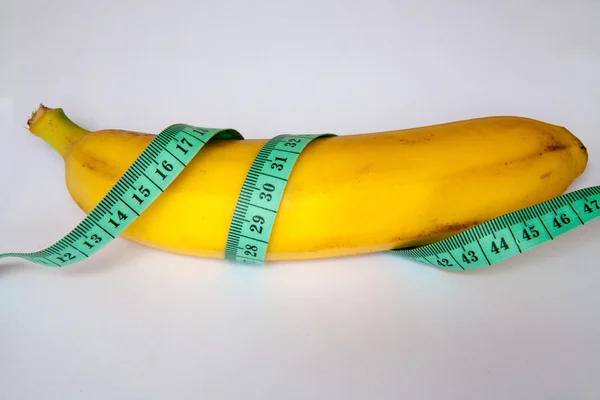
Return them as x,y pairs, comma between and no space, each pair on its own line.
35,114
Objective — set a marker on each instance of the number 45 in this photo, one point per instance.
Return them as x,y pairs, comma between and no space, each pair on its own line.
530,233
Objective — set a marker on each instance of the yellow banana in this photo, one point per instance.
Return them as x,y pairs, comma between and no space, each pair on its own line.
349,194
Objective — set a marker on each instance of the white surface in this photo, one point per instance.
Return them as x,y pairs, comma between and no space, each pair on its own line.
135,323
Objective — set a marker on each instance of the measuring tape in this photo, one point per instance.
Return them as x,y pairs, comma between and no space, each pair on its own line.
511,234
257,205
254,216
150,175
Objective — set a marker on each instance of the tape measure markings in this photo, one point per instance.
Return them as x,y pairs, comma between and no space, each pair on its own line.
144,181
512,233
260,197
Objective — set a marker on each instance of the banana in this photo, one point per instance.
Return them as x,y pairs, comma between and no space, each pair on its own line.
348,194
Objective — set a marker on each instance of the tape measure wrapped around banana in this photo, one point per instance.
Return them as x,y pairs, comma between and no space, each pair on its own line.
457,195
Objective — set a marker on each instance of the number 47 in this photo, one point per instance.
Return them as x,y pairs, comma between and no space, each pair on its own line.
591,207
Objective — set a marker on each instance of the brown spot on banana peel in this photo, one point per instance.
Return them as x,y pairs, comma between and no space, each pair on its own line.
548,149
437,233
546,175
101,167
131,133
555,147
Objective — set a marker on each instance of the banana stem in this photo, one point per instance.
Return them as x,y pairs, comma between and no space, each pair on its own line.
55,128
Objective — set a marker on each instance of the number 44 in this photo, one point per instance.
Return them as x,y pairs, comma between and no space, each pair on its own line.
497,248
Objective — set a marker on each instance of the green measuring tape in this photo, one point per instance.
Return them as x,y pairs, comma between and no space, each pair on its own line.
511,234
257,206
254,216
153,171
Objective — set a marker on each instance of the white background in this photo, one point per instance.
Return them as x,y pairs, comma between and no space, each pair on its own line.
135,323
